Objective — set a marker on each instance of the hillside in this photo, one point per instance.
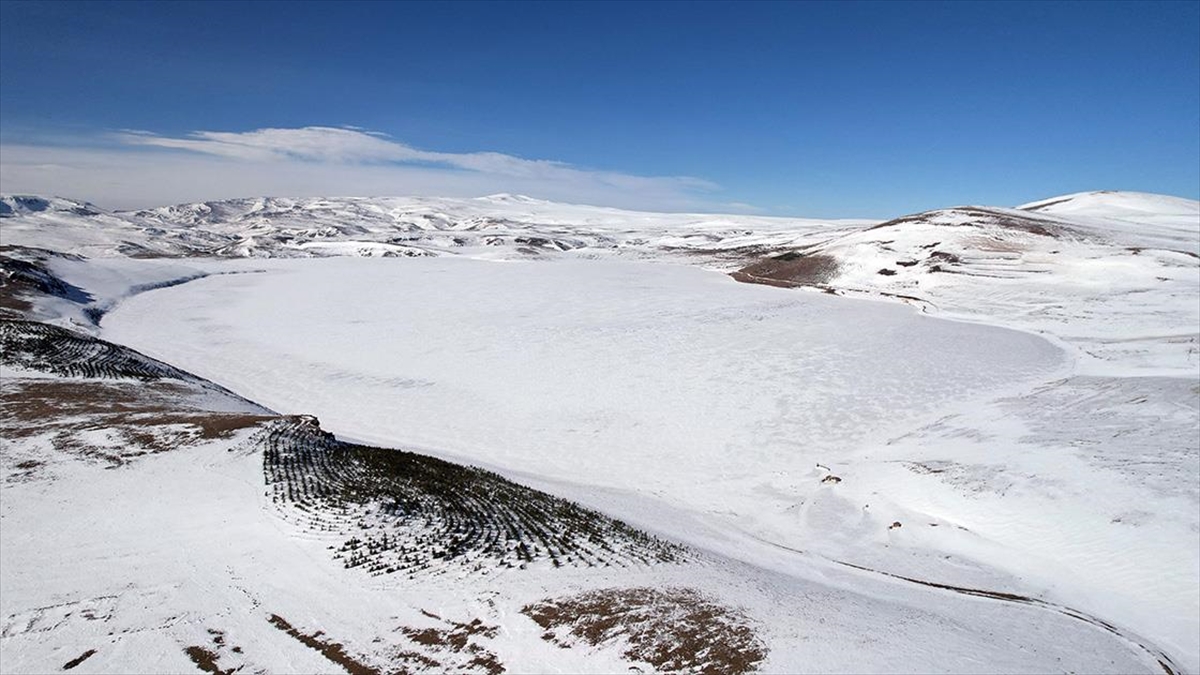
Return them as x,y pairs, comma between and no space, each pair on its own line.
1108,273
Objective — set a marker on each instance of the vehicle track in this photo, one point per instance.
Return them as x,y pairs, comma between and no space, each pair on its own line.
1164,661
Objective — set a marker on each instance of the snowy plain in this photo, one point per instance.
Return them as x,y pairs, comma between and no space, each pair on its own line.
831,457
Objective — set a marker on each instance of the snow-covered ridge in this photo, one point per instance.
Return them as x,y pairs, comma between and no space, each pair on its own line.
21,205
1112,203
1161,220
389,226
281,227
1117,275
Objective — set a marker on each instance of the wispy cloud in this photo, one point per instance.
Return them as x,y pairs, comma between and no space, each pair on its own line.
140,168
322,144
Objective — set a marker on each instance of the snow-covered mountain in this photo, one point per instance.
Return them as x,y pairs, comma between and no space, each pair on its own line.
499,225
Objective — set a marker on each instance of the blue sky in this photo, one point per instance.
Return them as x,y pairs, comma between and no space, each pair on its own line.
841,109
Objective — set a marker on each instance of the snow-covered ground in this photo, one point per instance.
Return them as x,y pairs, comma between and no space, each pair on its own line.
495,226
183,551
871,486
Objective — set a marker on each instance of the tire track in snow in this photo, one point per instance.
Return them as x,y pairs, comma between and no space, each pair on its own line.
1164,661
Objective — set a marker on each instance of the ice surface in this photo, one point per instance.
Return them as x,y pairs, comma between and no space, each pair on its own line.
693,394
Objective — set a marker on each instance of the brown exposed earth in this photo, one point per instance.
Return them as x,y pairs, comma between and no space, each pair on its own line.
134,418
673,629
790,269
451,649
335,652
205,660
78,659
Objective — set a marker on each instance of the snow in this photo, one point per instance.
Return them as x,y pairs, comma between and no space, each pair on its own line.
1030,420
503,224
1138,211
626,369
1119,293
206,558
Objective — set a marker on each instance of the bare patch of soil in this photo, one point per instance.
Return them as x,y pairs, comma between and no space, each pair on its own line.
116,405
109,421
205,660
78,659
335,652
790,269
734,254
1039,207
451,649
673,629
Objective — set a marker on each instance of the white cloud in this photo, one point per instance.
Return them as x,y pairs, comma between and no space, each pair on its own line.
322,144
147,169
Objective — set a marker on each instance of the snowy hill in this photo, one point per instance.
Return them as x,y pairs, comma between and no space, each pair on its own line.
1131,207
392,226
1137,218
1112,273
13,206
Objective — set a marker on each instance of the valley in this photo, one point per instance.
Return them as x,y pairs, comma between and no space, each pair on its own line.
509,435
